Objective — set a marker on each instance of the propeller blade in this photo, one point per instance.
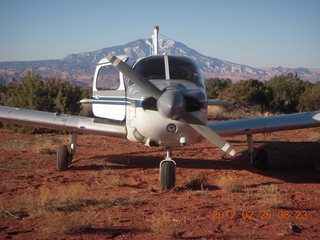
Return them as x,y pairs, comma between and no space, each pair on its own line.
214,138
194,122
136,77
208,133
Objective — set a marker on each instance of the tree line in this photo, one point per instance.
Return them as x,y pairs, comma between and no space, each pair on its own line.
51,95
281,94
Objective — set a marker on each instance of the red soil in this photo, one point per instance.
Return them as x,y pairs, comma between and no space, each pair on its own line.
141,211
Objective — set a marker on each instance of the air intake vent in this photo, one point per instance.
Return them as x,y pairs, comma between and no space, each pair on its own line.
150,104
192,104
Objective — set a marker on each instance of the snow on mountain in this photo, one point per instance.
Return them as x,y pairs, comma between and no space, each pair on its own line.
79,68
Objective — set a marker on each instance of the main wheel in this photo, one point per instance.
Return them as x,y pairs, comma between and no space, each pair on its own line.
260,159
167,175
63,157
317,164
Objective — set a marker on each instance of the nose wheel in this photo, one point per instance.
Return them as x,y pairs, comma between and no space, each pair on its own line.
167,173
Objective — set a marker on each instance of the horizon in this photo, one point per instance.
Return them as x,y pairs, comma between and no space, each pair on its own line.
57,59
259,34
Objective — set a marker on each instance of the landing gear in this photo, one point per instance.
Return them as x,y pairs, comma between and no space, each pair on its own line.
316,164
167,173
64,155
258,157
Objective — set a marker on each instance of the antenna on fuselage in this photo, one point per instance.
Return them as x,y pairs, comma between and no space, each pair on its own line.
155,40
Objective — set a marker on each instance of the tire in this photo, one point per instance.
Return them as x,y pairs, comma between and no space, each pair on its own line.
167,176
316,165
261,160
62,158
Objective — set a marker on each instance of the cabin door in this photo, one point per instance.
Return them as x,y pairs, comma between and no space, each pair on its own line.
109,95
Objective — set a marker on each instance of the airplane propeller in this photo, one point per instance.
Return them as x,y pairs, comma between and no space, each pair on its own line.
171,104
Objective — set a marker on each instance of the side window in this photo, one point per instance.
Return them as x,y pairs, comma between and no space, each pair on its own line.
108,78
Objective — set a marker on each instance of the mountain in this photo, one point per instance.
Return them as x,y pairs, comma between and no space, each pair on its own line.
79,68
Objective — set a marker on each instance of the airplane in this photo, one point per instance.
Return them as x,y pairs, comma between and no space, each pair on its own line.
159,101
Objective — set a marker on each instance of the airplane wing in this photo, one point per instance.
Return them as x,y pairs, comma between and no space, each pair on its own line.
217,103
266,124
61,122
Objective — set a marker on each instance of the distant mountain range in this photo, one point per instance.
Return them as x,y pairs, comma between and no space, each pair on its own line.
79,68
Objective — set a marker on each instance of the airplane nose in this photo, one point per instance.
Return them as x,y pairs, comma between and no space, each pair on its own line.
171,104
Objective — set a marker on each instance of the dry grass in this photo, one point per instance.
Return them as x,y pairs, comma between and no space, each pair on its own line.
230,183
129,201
314,136
250,195
45,200
111,178
50,145
216,112
29,204
197,181
3,208
201,192
70,194
67,222
270,196
16,144
164,224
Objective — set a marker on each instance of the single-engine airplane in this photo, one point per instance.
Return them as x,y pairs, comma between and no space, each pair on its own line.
163,103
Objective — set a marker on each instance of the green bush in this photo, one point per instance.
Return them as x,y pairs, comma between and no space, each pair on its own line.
52,95
310,99
214,86
281,94
249,93
286,92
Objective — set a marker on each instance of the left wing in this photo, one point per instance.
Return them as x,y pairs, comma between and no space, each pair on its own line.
266,124
61,122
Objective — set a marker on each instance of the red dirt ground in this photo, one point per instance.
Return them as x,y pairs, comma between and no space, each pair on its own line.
126,175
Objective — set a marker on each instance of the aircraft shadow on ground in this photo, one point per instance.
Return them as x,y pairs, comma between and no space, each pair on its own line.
289,161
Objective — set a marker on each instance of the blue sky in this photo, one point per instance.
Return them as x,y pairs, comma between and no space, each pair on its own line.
259,33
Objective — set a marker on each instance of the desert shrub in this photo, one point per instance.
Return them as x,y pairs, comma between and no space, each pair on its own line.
230,183
164,224
286,92
251,92
214,86
67,222
52,95
197,181
270,196
310,99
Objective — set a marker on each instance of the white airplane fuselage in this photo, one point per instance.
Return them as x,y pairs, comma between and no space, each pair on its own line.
128,104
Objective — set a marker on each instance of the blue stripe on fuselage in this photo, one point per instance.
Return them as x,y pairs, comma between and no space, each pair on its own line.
117,101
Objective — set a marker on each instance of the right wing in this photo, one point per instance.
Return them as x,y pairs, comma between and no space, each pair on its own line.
61,122
217,103
266,124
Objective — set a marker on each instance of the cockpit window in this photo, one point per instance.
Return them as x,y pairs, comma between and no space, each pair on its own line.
151,68
181,68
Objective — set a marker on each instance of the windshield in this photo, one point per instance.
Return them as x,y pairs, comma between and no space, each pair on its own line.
181,68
